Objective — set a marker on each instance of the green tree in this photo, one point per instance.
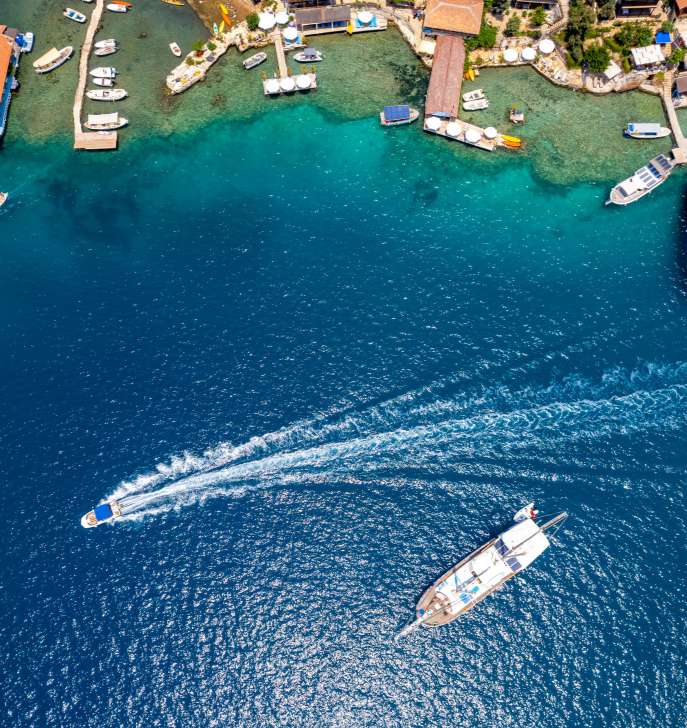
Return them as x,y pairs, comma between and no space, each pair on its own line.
501,5
581,19
667,26
487,36
607,10
252,21
678,55
538,17
513,25
634,35
198,47
597,57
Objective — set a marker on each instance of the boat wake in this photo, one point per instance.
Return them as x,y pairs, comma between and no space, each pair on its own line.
423,429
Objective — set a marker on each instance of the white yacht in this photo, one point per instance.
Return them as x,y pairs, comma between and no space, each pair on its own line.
101,514
642,182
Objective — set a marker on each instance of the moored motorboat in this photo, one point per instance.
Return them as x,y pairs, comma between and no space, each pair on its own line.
27,45
484,570
517,116
103,43
308,55
52,59
3,197
646,131
476,105
74,15
116,8
105,122
103,81
115,94
104,72
398,115
105,51
255,60
175,49
101,514
473,95
642,181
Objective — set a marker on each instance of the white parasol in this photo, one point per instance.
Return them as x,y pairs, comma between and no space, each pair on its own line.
546,46
290,33
472,136
267,21
282,18
287,84
303,81
528,54
433,123
490,132
510,55
453,129
272,86
365,17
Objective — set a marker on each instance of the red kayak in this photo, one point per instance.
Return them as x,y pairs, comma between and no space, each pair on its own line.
121,2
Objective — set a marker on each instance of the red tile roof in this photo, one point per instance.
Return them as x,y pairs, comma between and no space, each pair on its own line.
446,80
456,16
5,55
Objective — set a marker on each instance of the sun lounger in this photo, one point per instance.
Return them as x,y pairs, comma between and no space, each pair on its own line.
358,24
374,21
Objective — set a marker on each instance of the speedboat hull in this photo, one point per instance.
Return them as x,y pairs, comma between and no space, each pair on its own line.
103,43
175,49
116,8
104,72
103,513
27,46
106,51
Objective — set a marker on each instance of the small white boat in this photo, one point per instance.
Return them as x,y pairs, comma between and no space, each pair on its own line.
255,60
52,59
101,514
115,94
116,8
104,72
106,51
105,122
308,55
175,49
74,15
476,105
646,131
473,95
642,181
103,81
3,197
103,43
27,46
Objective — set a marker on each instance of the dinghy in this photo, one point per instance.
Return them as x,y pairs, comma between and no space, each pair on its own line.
255,60
3,197
473,95
308,55
115,94
101,514
103,43
175,49
103,82
476,105
105,122
104,72
74,15
52,59
106,51
116,8
28,43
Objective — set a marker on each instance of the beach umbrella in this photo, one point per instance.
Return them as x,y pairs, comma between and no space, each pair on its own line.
510,55
433,123
272,86
490,132
287,84
303,81
546,46
365,17
267,21
472,136
282,18
290,33
528,54
453,129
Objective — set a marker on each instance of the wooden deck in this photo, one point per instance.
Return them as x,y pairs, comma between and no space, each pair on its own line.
483,143
91,140
313,86
281,56
447,76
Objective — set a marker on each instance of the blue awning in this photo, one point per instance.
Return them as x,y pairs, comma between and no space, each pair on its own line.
396,113
102,512
663,37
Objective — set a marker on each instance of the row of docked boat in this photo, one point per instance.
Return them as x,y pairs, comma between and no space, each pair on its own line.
475,100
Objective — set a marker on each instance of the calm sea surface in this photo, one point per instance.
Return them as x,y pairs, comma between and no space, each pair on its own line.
320,362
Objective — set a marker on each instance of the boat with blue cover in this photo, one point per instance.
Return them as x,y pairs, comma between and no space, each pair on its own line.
101,514
398,115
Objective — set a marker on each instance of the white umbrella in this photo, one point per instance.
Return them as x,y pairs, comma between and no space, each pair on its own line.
364,17
272,86
453,129
267,21
290,33
490,132
472,136
287,84
282,18
303,81
433,123
510,55
528,54
546,46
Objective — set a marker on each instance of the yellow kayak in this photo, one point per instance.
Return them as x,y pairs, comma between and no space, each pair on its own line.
221,27
472,74
510,138
350,28
223,9
172,2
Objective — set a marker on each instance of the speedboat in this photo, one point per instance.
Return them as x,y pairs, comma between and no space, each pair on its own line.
74,15
116,8
28,43
115,94
103,43
476,105
101,514
104,72
308,55
646,131
485,570
105,122
103,81
255,60
175,49
473,95
398,115
52,59
3,197
642,181
105,51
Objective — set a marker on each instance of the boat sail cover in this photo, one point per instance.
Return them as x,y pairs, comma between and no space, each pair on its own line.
103,118
48,58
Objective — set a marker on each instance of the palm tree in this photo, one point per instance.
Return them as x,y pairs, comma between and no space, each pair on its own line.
198,47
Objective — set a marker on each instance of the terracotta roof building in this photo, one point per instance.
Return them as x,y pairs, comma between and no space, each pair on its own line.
9,58
462,18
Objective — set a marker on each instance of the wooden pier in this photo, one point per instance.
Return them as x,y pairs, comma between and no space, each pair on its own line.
483,143
89,140
443,95
281,56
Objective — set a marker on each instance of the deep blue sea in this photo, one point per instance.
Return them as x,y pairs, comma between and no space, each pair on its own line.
321,362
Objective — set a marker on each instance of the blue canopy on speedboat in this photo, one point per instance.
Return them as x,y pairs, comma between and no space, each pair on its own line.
102,512
396,113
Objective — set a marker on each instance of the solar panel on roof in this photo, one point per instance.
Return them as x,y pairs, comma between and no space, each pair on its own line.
664,162
396,113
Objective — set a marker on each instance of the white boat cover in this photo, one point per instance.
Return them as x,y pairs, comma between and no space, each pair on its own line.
453,129
50,57
632,185
433,123
525,531
103,118
510,55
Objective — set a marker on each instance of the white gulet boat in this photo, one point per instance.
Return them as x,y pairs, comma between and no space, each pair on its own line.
105,122
484,570
642,181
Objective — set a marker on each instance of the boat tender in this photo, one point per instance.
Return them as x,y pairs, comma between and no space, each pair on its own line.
255,60
473,95
646,131
27,46
476,105
175,49
308,55
116,8
74,15
101,514
484,570
103,81
115,94
52,59
106,51
104,43
642,182
104,72
398,115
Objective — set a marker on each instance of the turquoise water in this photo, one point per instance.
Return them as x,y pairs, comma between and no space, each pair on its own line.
320,362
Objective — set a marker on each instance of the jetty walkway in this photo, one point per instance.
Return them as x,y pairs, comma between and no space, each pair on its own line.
281,56
89,140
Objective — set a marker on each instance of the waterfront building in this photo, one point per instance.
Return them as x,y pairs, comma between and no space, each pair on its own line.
647,57
9,60
638,8
458,18
330,19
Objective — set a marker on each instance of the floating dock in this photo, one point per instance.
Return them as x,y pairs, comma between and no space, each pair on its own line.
267,82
